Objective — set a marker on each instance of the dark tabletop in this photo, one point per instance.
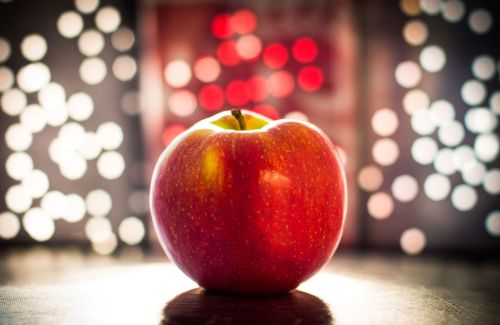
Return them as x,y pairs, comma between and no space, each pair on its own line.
42,286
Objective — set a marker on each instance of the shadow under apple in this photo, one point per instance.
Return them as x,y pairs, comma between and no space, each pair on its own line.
199,306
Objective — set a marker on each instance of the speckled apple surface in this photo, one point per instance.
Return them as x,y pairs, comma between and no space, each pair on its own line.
252,211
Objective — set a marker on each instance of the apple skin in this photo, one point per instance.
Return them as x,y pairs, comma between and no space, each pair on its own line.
249,211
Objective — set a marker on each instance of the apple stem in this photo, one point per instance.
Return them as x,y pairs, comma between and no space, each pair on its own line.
240,118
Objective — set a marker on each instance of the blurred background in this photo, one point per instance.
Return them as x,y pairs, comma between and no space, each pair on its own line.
93,90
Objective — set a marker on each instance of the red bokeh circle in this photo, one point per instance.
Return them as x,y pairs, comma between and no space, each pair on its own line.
211,97
310,78
243,22
237,93
227,53
280,84
305,50
275,55
257,88
221,26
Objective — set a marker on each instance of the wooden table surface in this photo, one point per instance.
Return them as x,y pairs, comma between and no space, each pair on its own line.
42,286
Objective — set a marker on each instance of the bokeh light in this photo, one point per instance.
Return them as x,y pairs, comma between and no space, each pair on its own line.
70,24
430,7
257,89
221,26
370,178
423,150
105,245
108,19
237,93
73,166
404,188
211,97
98,229
182,103
432,58
18,199
275,55
410,7
483,67
463,197
480,120
441,112
111,165
38,224
123,39
227,53
13,102
384,122
462,155
249,47
443,162
124,67
414,100
297,115
408,74
91,146
131,230
495,102
243,22
421,122
110,135
86,6
491,182
6,79
310,78
413,241
9,225
18,137
177,73
453,10
98,203
304,50
5,50
492,223
473,173
207,69
18,165
75,208
280,84
380,205
33,77
437,187
385,152
451,133
80,106
36,183
415,32
486,147
473,92
93,70
480,21
52,95
34,47
54,204
91,42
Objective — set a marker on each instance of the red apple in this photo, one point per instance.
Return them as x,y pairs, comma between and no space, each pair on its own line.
245,204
